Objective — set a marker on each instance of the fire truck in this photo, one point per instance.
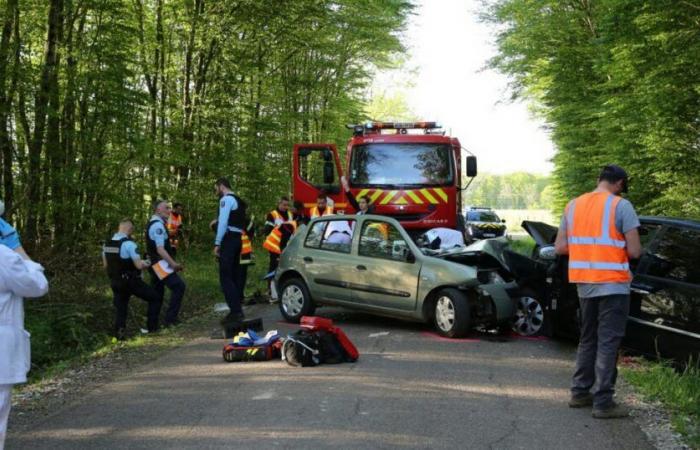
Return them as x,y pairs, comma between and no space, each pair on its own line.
409,171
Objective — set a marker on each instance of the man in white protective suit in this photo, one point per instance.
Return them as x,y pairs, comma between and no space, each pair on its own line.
19,278
443,238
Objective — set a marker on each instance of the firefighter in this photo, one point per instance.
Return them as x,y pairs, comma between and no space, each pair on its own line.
363,205
275,243
124,265
322,207
174,226
599,232
164,269
227,248
273,220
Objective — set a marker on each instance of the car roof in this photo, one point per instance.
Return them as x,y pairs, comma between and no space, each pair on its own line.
676,221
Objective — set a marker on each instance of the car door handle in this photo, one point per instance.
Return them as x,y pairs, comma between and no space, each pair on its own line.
639,291
361,267
308,259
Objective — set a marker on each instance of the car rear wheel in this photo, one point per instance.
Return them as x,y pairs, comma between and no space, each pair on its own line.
529,315
452,315
295,300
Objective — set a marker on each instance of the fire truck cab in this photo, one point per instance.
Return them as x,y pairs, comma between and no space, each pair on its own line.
409,171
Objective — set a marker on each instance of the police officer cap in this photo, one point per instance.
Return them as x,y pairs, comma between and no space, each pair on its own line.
613,174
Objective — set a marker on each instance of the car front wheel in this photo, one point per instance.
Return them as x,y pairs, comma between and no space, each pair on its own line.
529,315
295,300
452,315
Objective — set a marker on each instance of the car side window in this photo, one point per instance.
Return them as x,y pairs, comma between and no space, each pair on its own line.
647,233
315,234
676,256
383,240
337,236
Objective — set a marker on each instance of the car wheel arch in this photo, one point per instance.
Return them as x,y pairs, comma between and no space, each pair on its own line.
428,307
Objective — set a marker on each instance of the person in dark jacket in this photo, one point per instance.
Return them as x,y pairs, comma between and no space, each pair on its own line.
362,205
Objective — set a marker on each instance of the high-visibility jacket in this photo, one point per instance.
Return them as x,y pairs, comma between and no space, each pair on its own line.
597,250
315,213
246,249
273,243
278,219
173,226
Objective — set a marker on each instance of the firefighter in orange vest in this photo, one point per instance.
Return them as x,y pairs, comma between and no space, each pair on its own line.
322,207
274,219
174,226
599,233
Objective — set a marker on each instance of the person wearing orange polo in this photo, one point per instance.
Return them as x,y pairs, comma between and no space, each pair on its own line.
599,233
174,226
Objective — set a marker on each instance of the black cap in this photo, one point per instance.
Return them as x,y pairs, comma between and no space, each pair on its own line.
613,174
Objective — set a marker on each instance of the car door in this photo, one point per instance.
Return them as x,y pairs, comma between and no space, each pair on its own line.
665,309
326,262
386,272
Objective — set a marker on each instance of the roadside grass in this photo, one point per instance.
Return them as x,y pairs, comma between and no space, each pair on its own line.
514,217
678,391
522,244
74,322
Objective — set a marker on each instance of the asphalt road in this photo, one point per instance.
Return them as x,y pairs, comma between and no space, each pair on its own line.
410,389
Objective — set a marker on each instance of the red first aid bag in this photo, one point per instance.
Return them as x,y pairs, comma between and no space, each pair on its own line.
314,323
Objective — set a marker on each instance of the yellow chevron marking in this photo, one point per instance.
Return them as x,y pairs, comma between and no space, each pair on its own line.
388,197
414,197
362,193
375,195
401,201
428,196
441,193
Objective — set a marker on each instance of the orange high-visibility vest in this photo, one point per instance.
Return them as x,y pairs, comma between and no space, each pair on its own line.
279,218
246,249
315,213
173,225
597,250
274,239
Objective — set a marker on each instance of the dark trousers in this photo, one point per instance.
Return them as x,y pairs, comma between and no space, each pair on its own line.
123,290
274,262
603,322
230,273
177,291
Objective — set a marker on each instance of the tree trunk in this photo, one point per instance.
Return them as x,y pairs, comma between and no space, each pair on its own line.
6,146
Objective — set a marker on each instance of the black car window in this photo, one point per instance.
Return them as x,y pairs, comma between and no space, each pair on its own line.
647,233
337,236
315,234
482,216
383,240
676,256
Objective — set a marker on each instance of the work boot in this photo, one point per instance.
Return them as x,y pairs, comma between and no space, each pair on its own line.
615,411
581,400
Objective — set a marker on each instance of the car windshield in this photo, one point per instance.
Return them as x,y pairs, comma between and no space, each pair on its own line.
482,216
401,164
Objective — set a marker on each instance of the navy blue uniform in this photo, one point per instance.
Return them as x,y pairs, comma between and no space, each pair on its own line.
125,281
157,236
228,238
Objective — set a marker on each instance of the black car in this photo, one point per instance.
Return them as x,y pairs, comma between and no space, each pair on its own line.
483,223
665,299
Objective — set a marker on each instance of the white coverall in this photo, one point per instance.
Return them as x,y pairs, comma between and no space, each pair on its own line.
18,278
449,238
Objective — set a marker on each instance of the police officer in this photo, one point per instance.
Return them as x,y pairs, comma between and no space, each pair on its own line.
227,247
9,236
124,265
164,268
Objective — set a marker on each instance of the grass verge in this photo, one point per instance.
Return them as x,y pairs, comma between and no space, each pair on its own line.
678,391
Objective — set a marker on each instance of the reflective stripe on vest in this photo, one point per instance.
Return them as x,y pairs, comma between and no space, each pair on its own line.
279,218
597,251
272,243
246,246
326,212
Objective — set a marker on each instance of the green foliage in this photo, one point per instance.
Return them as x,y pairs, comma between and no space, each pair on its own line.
678,391
512,191
106,105
617,82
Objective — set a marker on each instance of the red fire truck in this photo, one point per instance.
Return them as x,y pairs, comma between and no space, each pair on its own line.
410,171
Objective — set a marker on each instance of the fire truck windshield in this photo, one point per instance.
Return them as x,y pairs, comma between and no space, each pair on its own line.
393,164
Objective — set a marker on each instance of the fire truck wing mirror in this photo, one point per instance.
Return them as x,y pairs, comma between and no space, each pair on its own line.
471,166
304,152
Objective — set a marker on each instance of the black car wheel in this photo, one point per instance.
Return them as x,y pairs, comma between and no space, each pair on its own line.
295,300
529,315
452,315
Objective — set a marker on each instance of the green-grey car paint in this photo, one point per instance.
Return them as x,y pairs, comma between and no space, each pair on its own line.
386,287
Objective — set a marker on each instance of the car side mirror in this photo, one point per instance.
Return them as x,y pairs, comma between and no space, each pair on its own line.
471,166
547,253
